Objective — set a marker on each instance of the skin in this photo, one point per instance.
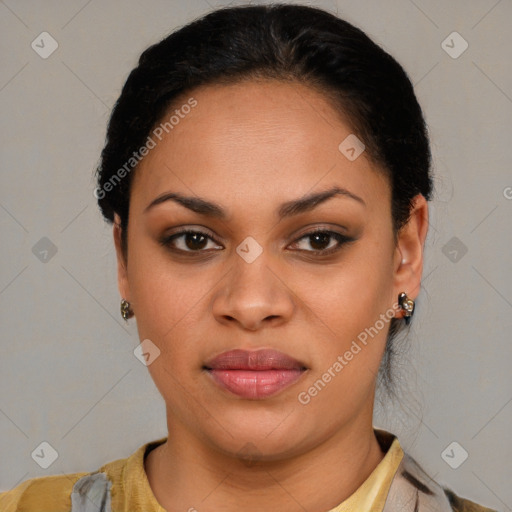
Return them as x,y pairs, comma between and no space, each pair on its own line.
250,147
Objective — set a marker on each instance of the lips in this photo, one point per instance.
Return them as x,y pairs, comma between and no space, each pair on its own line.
254,360
254,374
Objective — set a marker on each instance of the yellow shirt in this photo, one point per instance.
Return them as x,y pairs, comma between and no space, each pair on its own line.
131,492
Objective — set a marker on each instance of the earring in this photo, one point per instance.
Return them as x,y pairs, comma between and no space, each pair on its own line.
407,305
126,312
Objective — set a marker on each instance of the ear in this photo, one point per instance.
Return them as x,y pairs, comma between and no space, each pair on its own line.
122,275
408,263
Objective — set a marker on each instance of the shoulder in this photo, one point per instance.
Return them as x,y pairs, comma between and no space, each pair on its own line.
462,505
60,493
413,489
73,491
44,494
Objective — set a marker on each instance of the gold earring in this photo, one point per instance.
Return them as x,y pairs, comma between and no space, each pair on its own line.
407,305
126,312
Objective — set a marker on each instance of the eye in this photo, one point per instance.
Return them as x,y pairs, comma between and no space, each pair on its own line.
324,241
187,240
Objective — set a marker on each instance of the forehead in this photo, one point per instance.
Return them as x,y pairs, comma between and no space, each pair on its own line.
253,141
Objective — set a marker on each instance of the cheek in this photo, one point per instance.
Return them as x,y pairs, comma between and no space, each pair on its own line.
350,317
349,346
168,315
165,298
351,295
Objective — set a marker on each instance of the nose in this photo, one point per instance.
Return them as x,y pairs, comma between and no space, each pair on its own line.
253,295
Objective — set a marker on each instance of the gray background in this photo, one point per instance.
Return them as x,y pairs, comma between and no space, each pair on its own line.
68,375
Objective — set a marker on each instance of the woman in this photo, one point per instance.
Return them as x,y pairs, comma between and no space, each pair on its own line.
267,172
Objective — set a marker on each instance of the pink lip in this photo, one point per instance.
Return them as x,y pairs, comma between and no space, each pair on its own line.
254,374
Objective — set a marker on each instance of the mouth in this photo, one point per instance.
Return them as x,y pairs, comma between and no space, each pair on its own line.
254,374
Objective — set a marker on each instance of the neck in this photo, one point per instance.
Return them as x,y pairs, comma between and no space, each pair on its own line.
186,474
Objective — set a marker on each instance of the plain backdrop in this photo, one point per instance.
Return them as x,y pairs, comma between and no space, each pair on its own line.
68,374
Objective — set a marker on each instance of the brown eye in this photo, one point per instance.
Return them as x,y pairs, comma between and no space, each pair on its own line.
323,241
320,241
187,241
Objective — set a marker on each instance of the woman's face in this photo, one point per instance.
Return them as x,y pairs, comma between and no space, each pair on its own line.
252,279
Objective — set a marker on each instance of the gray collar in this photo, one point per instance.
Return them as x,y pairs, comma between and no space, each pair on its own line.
412,490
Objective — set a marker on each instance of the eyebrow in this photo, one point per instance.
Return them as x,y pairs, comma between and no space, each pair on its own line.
287,209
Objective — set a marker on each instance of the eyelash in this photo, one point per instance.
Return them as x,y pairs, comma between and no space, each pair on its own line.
341,239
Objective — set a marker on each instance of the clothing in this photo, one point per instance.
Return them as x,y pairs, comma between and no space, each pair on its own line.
397,484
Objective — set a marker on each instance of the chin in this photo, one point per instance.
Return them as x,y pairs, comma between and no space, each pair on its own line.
272,438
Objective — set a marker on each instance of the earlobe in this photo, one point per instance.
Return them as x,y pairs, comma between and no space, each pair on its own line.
122,274
409,250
